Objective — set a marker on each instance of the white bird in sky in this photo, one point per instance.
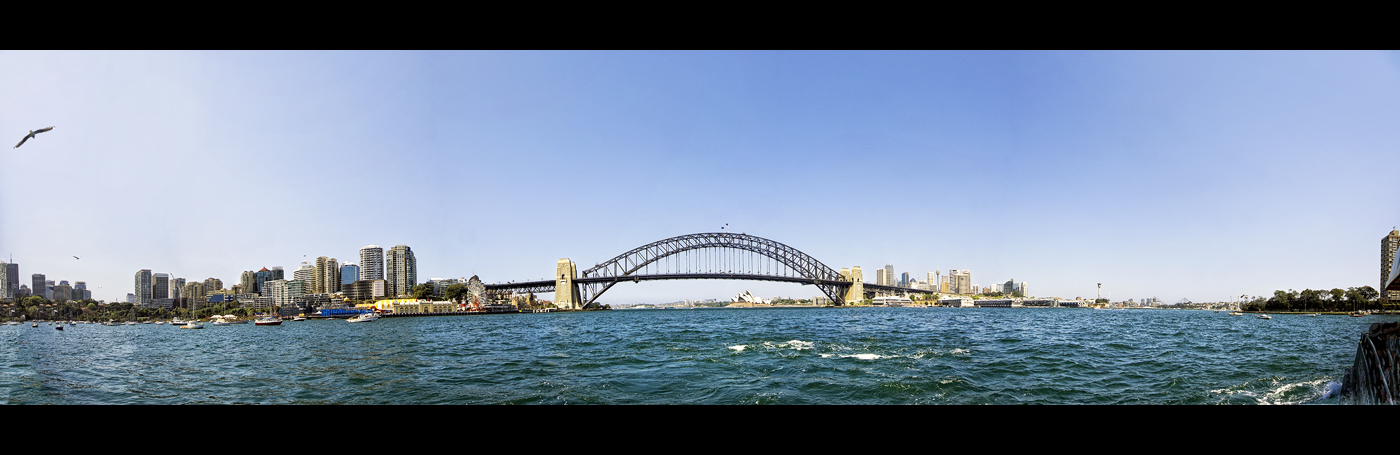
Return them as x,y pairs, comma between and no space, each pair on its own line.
31,134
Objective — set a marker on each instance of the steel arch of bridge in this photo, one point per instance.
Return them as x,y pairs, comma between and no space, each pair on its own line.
713,255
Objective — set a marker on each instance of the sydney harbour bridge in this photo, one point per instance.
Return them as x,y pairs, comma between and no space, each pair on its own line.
704,256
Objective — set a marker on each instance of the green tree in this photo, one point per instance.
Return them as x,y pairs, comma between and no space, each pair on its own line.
423,291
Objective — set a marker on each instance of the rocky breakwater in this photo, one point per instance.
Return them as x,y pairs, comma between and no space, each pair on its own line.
1374,377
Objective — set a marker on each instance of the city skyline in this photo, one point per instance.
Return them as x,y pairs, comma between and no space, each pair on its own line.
1197,175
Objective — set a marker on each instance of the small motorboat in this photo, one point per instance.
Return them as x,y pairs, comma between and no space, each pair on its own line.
192,325
59,327
1263,316
364,317
269,320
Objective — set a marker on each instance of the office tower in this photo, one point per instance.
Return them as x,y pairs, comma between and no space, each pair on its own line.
327,276
62,292
160,286
130,298
48,289
262,276
212,284
1022,288
349,273
1389,244
889,275
177,288
80,290
276,273
36,284
5,292
880,278
932,281
248,282
371,263
143,287
904,279
11,272
401,270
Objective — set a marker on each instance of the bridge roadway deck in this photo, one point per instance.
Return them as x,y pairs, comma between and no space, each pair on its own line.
543,286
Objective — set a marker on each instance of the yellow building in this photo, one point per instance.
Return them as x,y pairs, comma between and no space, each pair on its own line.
411,306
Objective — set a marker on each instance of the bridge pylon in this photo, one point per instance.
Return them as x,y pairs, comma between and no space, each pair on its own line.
856,293
566,295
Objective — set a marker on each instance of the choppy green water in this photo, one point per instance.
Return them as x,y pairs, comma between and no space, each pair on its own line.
715,356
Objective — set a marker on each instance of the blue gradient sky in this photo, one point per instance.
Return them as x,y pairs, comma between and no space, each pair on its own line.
1200,175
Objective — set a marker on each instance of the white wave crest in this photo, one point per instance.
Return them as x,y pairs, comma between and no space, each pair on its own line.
738,347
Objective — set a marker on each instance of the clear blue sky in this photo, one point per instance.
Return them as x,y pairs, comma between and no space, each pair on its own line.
1199,175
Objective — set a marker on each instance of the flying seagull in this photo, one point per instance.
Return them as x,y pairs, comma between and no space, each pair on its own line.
31,134
75,257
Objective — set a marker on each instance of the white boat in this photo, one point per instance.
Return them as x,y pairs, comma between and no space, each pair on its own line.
1264,316
192,325
268,320
365,317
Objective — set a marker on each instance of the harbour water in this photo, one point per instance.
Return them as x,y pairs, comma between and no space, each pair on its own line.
701,356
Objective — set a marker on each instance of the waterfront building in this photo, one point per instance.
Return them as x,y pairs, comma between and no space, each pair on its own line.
371,263
349,273
285,293
143,287
415,306
1389,244
160,286
401,270
365,290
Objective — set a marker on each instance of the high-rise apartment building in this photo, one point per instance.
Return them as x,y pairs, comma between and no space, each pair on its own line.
401,270
160,286
177,288
1389,244
371,263
212,284
248,282
80,291
306,273
143,287
327,276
